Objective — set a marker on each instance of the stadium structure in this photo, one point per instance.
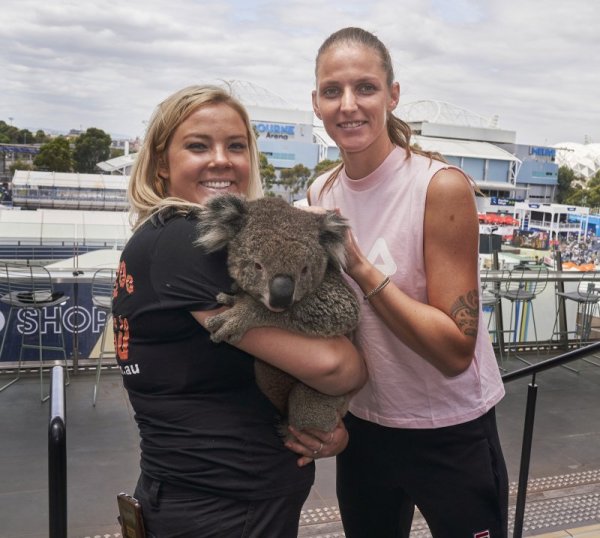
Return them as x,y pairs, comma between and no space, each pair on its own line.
583,159
505,171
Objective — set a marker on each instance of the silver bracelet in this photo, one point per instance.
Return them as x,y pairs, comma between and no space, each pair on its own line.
376,290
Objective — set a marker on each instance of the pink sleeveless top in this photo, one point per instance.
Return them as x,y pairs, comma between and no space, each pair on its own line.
386,210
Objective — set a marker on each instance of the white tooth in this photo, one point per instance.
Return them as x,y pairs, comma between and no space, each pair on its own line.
218,184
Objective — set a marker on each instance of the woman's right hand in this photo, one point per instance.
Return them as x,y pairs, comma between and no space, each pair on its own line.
311,444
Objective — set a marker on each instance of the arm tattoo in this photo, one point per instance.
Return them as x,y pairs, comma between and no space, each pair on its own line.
465,313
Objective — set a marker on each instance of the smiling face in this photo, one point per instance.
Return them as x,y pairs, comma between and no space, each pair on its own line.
208,154
353,99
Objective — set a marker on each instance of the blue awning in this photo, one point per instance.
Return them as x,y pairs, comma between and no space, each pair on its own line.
4,148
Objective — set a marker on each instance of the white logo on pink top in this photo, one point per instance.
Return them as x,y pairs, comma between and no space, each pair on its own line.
380,257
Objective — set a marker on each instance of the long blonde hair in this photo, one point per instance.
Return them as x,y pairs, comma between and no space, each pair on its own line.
147,191
398,131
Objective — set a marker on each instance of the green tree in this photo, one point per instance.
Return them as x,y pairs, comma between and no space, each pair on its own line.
566,184
8,133
577,196
267,174
20,165
25,136
581,192
116,152
294,180
40,137
323,166
55,156
593,190
91,147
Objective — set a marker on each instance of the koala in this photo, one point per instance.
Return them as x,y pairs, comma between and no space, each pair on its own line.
286,264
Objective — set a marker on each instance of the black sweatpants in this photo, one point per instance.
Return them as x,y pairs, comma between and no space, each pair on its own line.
179,513
455,475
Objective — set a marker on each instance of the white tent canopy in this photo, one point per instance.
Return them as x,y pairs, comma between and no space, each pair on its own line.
55,225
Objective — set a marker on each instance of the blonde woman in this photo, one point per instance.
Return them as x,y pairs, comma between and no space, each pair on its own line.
212,462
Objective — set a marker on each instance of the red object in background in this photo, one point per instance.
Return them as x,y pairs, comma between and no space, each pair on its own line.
497,218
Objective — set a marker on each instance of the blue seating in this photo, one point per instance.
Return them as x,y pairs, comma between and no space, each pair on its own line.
28,287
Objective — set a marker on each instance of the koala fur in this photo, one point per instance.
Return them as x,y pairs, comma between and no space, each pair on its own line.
286,263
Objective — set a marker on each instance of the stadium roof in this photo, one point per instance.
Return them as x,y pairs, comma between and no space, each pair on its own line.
321,134
118,164
451,147
583,159
253,95
442,112
464,148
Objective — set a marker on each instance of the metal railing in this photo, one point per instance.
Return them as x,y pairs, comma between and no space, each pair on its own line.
45,251
497,278
562,226
553,300
57,457
57,422
532,370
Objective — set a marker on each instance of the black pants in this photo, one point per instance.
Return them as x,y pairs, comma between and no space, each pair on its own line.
175,513
456,476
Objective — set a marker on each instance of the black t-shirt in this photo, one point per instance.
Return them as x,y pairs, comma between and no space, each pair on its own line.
203,421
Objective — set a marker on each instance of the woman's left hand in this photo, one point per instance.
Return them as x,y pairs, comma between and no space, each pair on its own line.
312,444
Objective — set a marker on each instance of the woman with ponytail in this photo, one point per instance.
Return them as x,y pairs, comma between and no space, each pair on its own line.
422,430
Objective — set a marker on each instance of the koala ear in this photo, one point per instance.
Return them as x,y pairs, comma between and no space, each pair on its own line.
332,235
220,220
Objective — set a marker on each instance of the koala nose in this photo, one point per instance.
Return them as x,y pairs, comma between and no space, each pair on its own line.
281,292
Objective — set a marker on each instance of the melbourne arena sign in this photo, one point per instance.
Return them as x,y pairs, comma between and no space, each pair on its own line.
275,130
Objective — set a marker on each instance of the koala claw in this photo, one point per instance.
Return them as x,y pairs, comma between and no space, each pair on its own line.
213,324
223,329
226,299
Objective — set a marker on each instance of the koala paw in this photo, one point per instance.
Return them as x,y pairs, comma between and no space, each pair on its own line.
226,299
224,328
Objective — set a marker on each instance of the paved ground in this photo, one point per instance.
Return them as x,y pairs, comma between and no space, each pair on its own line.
102,442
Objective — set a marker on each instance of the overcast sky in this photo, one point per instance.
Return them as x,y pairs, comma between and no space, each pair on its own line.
78,63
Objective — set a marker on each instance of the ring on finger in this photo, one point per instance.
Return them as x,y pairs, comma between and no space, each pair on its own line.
315,452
